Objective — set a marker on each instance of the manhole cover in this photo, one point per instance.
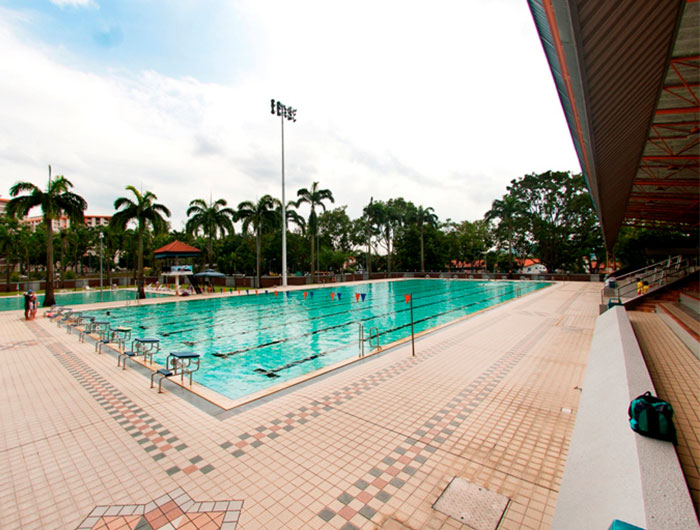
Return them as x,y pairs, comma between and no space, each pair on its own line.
472,505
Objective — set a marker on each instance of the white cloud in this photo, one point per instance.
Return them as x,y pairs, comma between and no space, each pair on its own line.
442,106
74,3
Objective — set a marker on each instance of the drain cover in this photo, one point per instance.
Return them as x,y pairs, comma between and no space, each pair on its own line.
471,505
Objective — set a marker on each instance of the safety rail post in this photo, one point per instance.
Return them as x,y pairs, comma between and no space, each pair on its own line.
361,341
413,337
375,335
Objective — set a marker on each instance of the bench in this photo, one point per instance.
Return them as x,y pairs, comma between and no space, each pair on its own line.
611,472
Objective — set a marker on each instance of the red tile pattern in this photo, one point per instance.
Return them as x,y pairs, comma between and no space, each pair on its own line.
175,510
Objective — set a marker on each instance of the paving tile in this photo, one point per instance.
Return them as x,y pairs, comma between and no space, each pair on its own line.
384,436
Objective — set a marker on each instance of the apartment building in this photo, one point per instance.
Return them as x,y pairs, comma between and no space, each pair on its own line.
64,222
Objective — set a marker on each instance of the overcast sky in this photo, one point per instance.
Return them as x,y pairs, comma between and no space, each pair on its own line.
441,103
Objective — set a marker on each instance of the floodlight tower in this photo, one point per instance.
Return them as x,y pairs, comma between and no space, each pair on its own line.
284,112
102,236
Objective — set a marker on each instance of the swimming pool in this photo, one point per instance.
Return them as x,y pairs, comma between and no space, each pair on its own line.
10,303
249,343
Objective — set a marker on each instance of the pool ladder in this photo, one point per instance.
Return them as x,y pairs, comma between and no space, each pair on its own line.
373,335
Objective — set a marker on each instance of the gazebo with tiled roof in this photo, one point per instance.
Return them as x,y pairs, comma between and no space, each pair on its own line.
175,250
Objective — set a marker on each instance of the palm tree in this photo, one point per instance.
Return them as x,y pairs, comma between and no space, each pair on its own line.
314,197
146,213
55,201
258,216
424,217
292,216
212,218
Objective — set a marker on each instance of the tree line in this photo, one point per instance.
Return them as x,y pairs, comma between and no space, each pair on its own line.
548,217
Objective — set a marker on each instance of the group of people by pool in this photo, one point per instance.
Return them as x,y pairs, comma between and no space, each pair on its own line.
30,304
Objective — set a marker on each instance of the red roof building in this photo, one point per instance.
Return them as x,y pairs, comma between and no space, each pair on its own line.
176,249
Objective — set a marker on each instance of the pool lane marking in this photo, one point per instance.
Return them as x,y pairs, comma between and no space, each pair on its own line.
260,306
256,437
461,294
225,355
507,290
157,441
272,373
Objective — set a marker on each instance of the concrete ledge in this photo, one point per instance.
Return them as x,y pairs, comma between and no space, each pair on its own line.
679,329
612,472
690,301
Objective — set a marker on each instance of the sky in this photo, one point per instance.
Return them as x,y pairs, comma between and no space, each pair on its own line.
441,103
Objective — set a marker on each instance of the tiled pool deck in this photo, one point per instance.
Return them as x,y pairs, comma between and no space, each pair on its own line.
491,399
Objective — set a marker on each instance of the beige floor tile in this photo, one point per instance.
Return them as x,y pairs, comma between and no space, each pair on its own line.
481,400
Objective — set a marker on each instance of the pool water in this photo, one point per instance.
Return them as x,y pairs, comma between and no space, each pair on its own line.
248,343
10,303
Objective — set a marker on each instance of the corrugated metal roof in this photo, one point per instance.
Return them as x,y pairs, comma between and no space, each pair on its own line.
631,102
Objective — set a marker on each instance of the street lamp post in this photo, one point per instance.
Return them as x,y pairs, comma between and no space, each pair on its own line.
283,111
102,235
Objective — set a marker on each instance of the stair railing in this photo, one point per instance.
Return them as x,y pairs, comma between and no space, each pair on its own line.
621,289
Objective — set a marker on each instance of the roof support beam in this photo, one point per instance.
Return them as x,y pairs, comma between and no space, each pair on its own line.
672,157
679,110
662,182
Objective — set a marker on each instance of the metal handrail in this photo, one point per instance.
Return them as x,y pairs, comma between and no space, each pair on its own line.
652,277
375,336
361,340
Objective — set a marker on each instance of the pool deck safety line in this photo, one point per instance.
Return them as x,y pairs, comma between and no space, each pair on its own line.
491,399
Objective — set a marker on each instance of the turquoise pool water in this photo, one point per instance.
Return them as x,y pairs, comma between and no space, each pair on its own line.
251,342
9,303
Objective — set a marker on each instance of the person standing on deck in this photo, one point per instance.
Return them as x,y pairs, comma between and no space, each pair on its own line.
28,303
33,305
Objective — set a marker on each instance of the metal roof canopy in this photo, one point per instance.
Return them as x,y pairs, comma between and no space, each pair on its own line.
628,77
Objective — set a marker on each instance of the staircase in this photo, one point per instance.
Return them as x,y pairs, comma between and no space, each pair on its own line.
659,277
686,288
679,307
667,328
683,318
